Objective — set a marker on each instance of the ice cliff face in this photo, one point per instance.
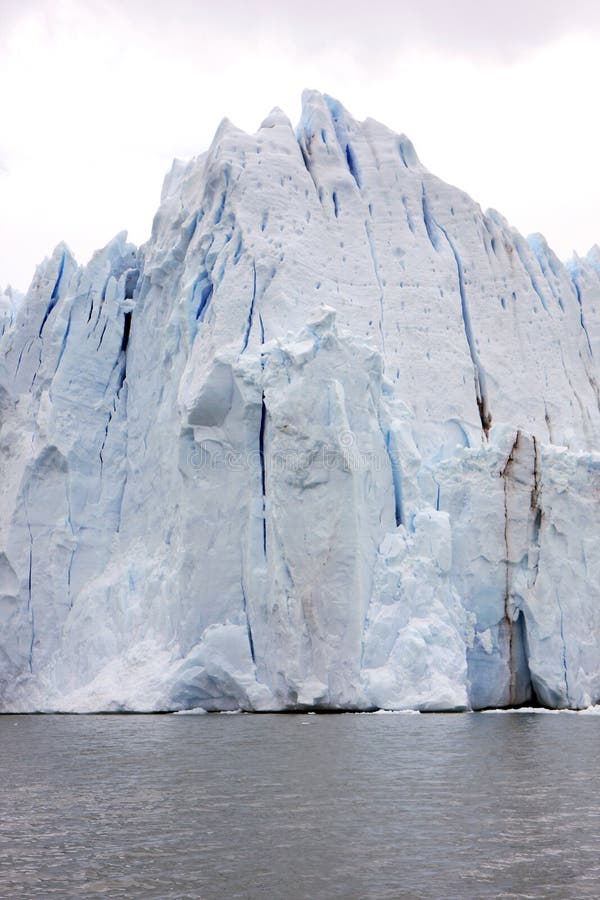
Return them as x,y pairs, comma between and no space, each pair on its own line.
329,439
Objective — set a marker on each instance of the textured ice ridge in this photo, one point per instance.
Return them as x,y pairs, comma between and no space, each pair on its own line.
328,440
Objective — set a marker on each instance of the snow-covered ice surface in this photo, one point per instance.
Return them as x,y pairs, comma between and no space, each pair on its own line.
328,440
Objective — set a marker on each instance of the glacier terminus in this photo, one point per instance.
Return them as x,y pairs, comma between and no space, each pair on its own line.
329,440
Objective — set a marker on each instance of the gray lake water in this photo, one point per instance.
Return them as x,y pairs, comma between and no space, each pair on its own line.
265,806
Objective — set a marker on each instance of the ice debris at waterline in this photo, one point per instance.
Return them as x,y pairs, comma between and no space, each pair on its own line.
329,439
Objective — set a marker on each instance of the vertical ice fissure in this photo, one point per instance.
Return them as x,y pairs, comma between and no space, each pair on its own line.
564,648
69,568
437,495
396,477
54,294
582,409
30,611
263,476
592,380
305,154
26,346
63,345
246,337
577,290
479,374
508,620
537,513
248,626
429,221
379,281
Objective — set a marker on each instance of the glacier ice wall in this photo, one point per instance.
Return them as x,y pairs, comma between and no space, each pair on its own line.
329,439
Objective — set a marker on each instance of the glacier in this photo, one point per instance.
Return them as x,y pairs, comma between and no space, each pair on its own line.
328,440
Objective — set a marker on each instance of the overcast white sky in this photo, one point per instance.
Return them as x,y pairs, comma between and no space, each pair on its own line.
97,97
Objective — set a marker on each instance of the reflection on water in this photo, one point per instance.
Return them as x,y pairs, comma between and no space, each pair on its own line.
265,806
